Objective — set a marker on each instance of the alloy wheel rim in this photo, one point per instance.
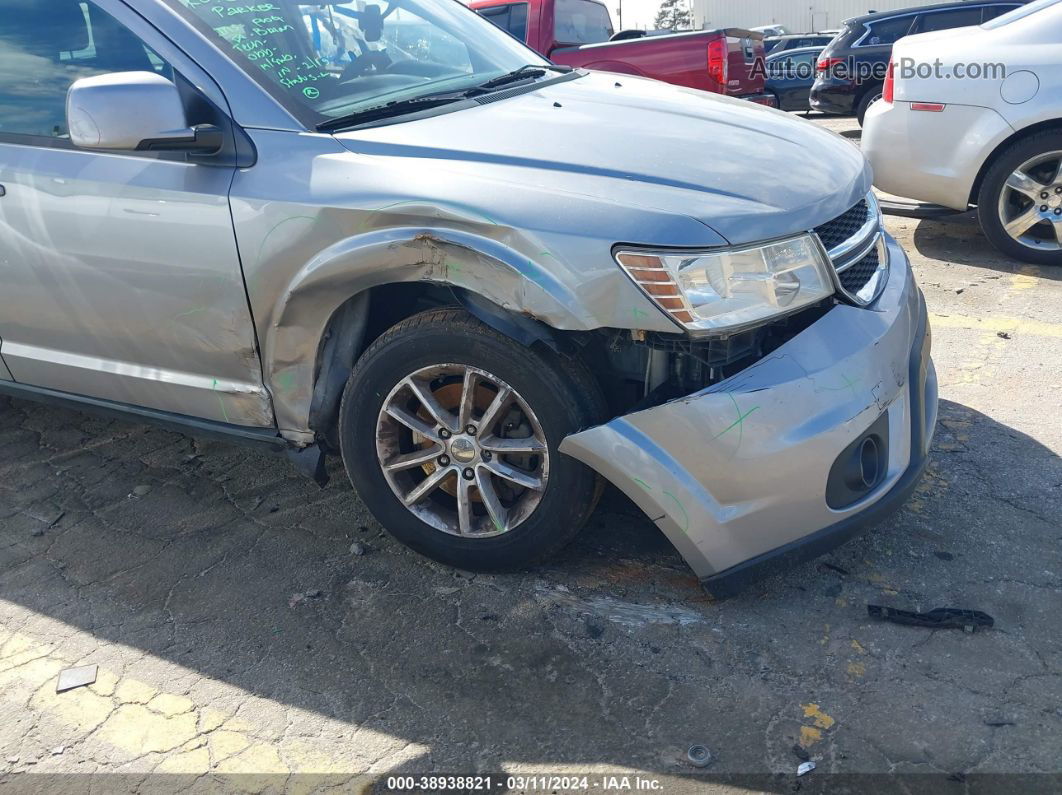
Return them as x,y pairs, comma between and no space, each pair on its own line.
462,450
1030,204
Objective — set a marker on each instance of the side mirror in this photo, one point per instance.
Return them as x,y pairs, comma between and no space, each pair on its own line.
133,111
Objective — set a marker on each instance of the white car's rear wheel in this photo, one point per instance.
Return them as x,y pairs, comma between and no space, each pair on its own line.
1020,202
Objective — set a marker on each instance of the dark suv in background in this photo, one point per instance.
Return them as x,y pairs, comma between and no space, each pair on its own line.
851,70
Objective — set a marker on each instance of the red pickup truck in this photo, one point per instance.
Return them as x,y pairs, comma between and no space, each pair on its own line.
579,33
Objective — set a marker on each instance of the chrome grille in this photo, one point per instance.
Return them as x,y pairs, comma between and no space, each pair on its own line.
844,226
855,277
854,242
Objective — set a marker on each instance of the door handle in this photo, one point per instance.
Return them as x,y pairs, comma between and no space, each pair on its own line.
3,190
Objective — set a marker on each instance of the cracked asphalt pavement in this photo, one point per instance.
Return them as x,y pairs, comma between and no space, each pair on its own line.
239,641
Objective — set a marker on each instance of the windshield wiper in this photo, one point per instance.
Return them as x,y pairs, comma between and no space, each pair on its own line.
525,72
398,107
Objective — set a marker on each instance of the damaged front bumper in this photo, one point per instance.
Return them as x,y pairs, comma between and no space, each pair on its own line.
795,454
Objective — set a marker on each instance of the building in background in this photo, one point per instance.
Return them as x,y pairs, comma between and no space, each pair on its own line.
799,17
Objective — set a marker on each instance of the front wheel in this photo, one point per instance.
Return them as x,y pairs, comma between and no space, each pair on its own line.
1019,205
449,432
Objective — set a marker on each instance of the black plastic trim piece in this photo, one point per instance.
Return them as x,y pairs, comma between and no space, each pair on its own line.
520,328
732,581
916,209
181,423
342,345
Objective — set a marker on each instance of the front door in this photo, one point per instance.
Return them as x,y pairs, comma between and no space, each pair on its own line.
119,273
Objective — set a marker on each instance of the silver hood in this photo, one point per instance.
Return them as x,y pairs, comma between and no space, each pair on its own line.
745,171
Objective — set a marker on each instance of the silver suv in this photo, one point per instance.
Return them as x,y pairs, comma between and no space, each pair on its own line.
389,230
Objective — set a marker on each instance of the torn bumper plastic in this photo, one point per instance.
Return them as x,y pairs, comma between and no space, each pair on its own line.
756,472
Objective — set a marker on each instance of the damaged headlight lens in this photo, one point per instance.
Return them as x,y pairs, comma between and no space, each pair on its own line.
730,289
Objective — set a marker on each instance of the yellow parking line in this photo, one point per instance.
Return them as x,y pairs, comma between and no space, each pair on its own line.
1034,328
1025,279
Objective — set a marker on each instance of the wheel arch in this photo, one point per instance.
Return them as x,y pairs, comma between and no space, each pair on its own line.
1047,125
364,317
325,316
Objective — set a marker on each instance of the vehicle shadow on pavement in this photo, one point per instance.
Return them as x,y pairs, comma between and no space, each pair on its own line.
958,238
219,574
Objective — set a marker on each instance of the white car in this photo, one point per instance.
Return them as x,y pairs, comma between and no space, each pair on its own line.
943,134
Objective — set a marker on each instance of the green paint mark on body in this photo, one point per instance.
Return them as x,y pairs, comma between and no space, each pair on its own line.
681,507
286,380
643,484
849,383
738,423
221,401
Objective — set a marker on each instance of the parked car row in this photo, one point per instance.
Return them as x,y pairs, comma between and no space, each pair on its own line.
961,105
992,141
851,70
579,33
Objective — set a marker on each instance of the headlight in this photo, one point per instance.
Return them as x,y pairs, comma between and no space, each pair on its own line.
728,289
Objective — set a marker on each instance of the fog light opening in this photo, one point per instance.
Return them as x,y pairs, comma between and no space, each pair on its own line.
868,462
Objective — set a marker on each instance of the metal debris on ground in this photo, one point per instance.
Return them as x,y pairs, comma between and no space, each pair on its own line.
805,768
699,756
58,750
939,618
1003,335
834,567
140,491
298,598
82,675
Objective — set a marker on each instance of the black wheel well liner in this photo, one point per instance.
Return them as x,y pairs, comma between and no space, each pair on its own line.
1019,135
363,317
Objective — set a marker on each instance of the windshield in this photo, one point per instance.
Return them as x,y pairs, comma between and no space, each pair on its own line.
325,60
1018,13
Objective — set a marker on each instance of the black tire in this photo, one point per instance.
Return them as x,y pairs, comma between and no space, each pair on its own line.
988,196
558,389
869,98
